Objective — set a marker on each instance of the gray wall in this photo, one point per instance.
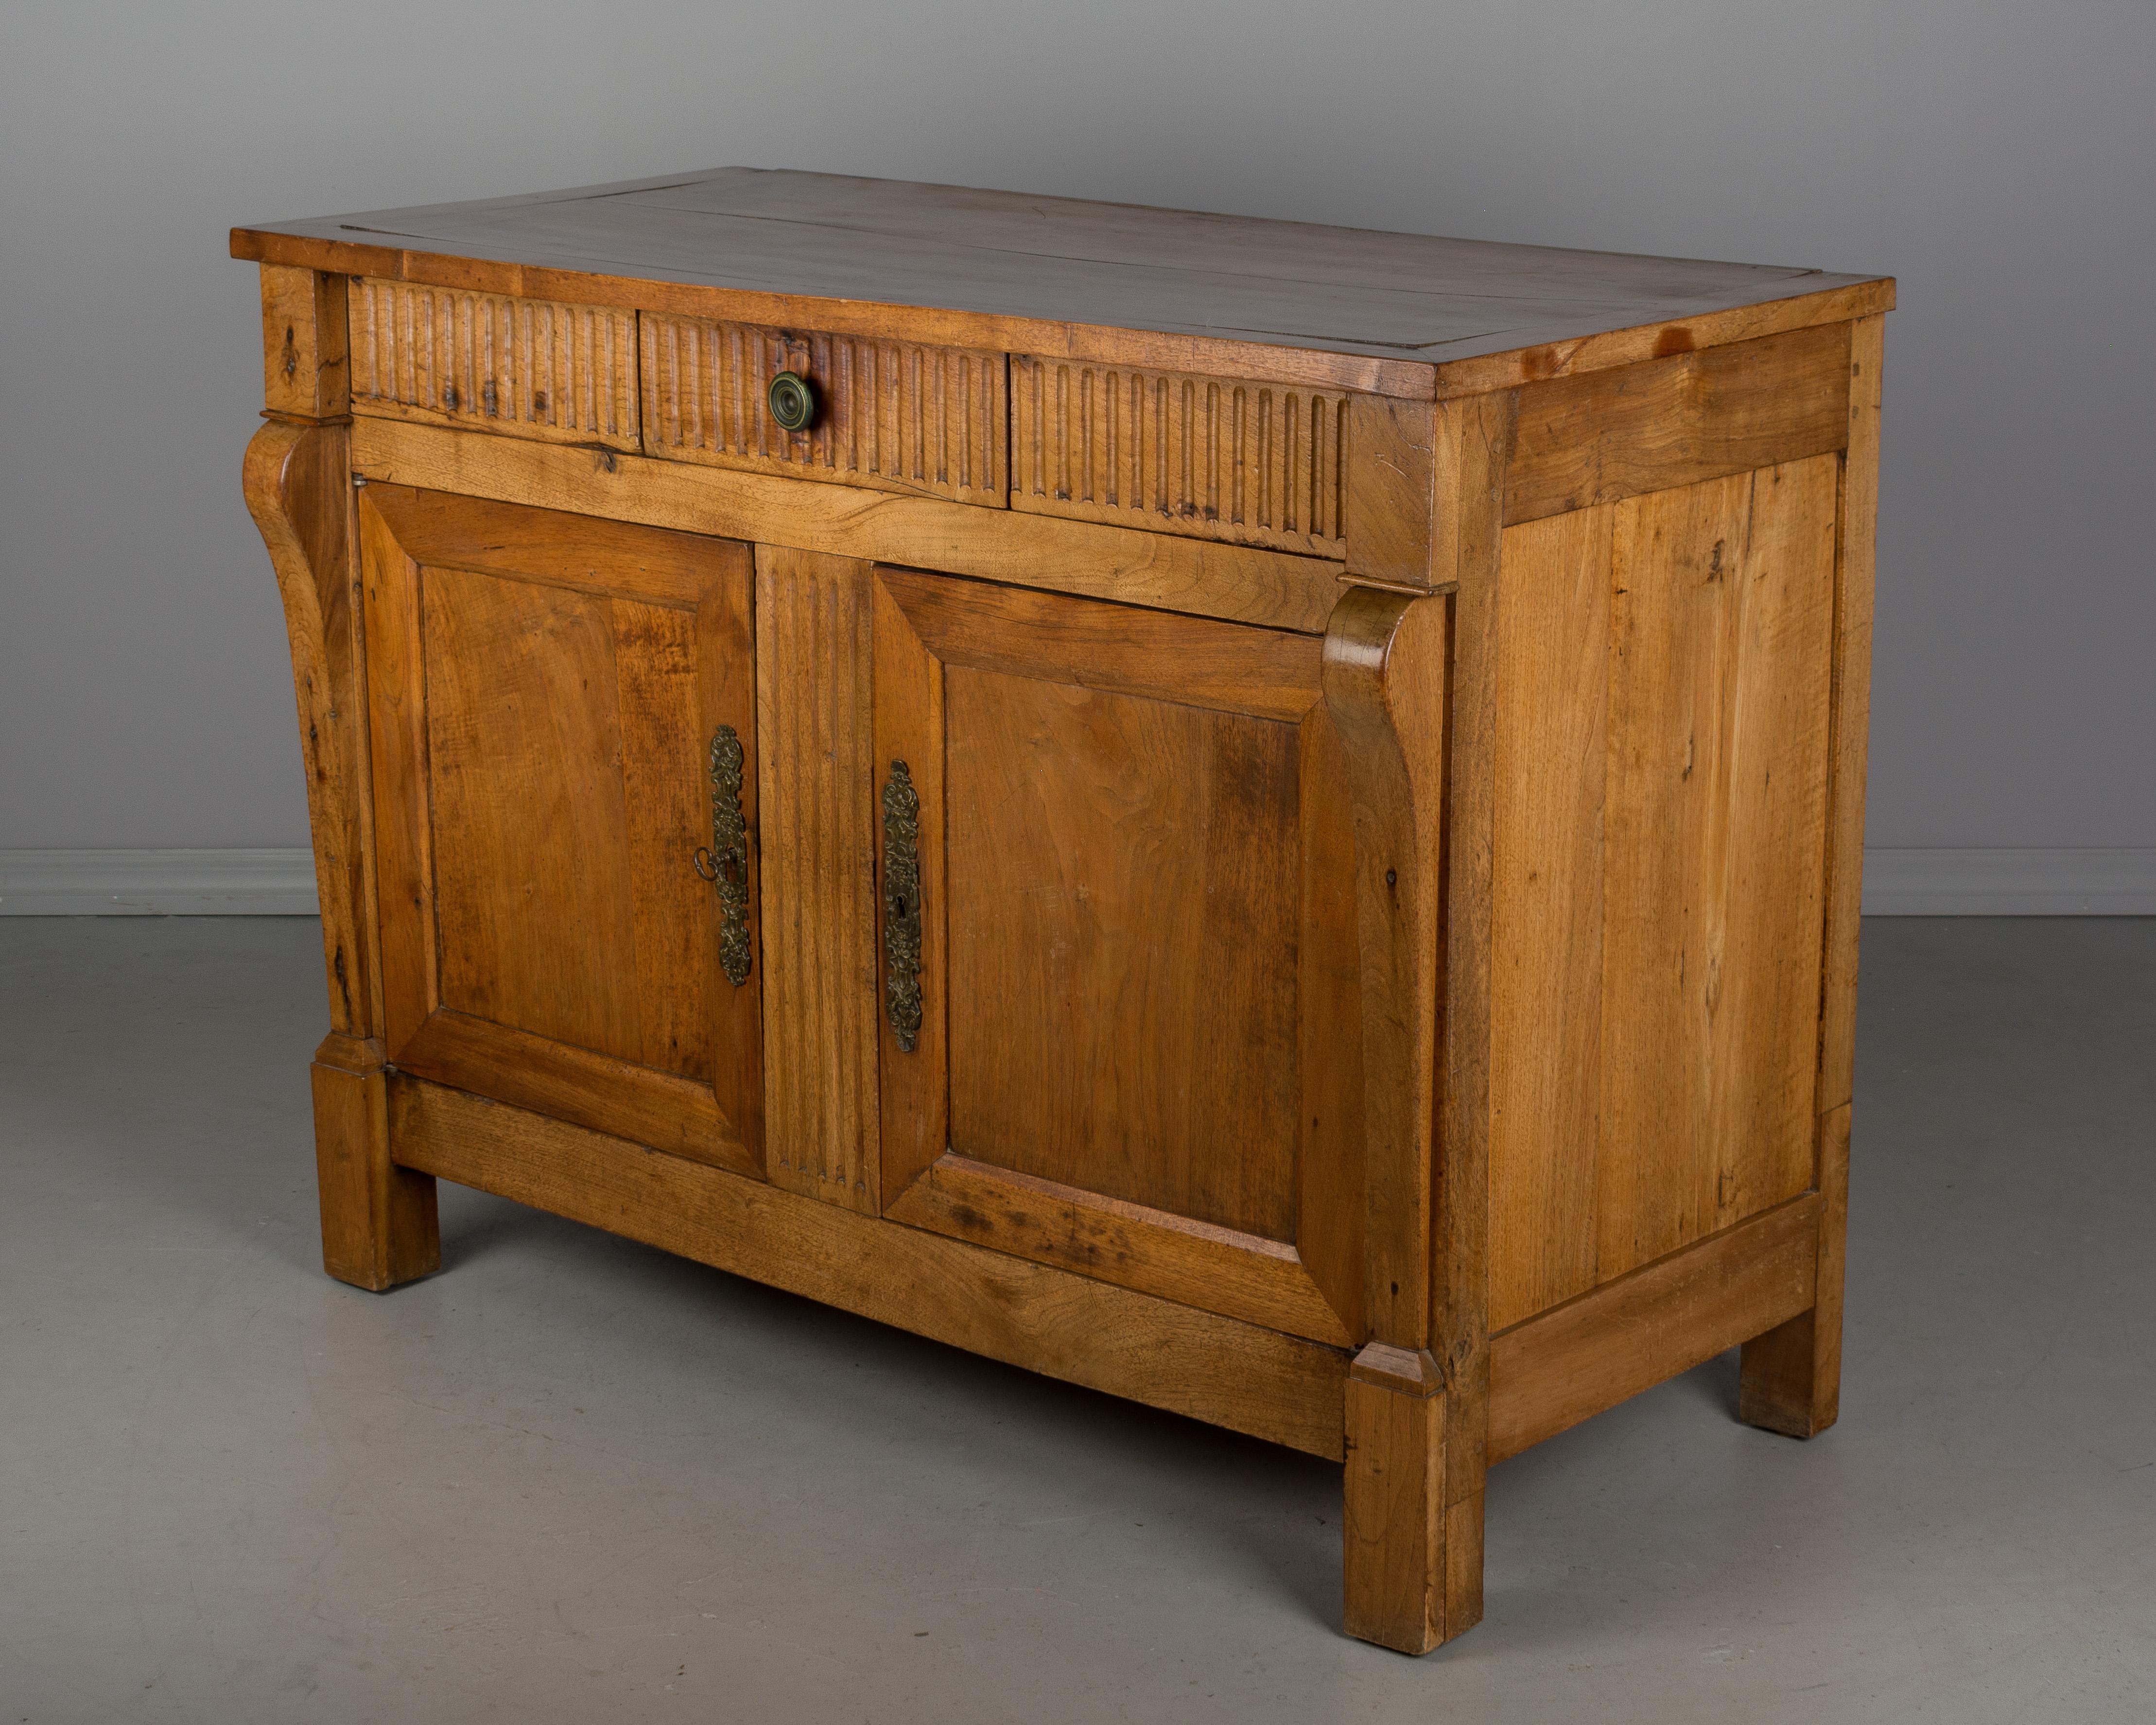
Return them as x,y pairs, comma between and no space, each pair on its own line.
2001,158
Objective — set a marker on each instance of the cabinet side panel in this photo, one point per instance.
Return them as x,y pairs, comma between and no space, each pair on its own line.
813,713
1716,772
1762,1058
1545,944
1660,879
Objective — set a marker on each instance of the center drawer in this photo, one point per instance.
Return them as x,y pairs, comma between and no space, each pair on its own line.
891,416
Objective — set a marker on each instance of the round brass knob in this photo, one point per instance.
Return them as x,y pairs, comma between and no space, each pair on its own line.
792,399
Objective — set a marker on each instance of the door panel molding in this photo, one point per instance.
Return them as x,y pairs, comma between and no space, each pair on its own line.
1309,1284
1154,1251
661,1111
500,629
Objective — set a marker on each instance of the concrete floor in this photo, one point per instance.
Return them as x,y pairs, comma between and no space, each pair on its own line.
573,1479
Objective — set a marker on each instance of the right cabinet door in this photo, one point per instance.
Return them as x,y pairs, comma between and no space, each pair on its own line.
1119,991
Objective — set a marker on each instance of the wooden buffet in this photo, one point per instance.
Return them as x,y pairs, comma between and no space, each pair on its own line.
1263,818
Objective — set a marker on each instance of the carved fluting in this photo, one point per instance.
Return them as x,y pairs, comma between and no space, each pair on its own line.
531,367
818,844
1255,463
892,416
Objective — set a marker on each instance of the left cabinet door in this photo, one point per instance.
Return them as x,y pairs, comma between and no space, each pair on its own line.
562,716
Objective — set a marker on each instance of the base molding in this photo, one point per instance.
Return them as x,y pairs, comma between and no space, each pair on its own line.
158,883
2115,880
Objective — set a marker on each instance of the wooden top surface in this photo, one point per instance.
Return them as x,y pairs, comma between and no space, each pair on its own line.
1398,313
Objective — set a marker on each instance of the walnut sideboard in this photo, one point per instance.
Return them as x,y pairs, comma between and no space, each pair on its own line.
1263,817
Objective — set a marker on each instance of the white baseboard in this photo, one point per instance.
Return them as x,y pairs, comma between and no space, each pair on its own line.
2117,882
157,883
2113,882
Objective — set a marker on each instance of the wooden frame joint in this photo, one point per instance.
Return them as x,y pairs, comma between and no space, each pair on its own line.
1406,1371
359,1056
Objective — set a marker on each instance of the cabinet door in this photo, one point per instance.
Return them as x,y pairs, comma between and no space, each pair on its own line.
563,730
1120,1001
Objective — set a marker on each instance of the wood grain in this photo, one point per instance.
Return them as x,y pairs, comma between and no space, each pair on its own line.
663,1109
1116,648
1575,1360
1221,458
1118,916
298,490
1855,552
1665,422
814,645
1330,1177
533,893
891,416
379,1221
1386,664
1720,614
547,689
524,367
1391,505
1791,1378
1663,745
1393,1529
1547,911
1160,572
1155,1251
1121,911
304,369
1223,295
1231,1373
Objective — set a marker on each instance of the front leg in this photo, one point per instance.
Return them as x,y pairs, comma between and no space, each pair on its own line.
1413,1479
378,1219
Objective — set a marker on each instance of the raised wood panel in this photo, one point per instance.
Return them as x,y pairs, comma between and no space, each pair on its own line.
537,368
1223,458
532,869
892,416
549,691
1662,738
1121,951
1241,1375
812,645
1271,589
1121,915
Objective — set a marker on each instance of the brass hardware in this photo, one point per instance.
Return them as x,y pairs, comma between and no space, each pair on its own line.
725,864
792,399
901,905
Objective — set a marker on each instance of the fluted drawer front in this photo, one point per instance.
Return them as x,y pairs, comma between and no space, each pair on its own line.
528,368
893,416
1255,463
